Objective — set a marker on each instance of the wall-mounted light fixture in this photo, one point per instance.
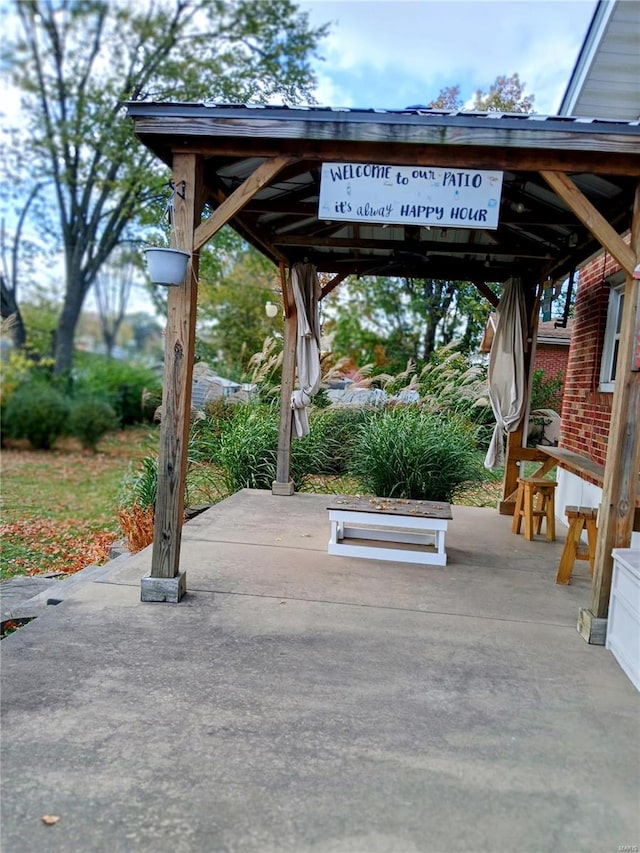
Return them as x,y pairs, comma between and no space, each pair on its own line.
271,309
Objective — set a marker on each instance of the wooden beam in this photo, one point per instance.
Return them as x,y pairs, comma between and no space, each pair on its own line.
465,142
488,294
246,228
290,206
463,157
178,373
282,484
563,186
238,198
444,248
331,285
622,464
282,268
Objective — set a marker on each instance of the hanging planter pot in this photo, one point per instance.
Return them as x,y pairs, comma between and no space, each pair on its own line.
167,266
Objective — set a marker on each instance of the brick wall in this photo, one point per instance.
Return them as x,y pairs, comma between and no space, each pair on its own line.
585,410
552,359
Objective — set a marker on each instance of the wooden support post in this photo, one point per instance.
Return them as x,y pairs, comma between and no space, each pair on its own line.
620,483
166,583
283,485
511,471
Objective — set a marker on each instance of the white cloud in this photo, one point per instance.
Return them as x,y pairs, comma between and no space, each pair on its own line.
418,46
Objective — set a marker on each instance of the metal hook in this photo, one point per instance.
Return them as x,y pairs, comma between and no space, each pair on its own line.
182,192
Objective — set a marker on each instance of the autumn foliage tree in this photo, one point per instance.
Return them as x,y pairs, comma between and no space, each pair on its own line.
76,64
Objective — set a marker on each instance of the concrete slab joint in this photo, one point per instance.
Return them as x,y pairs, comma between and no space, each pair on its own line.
170,590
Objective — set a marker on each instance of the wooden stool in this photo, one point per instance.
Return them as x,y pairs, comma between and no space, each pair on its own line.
578,517
535,500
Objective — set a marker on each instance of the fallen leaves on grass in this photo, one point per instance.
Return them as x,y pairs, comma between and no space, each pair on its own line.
61,546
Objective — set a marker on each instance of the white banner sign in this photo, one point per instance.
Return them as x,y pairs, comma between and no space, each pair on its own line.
410,195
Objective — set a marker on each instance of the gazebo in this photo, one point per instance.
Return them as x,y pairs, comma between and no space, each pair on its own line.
561,188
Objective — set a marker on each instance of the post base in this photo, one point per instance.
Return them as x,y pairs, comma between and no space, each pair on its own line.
591,628
170,590
282,488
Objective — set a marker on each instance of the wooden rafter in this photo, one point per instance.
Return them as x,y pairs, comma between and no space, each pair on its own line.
238,199
331,285
402,245
488,294
592,218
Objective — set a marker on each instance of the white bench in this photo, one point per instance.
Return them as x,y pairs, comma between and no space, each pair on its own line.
418,526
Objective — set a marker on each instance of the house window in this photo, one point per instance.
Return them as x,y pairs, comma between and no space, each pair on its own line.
612,337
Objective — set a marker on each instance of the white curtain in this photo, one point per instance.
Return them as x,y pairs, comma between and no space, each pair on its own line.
306,292
507,381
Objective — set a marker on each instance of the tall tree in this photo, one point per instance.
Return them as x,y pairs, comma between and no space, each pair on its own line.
236,282
506,94
112,289
15,248
77,62
387,322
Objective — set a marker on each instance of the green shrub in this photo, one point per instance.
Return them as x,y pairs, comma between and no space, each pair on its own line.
409,452
131,389
205,432
546,391
248,450
38,412
140,486
311,455
248,447
90,419
335,431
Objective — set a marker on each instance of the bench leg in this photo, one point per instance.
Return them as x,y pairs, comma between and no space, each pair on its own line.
551,516
592,539
540,507
439,542
528,512
569,551
517,514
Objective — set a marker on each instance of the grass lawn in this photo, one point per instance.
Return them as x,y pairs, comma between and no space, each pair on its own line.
59,507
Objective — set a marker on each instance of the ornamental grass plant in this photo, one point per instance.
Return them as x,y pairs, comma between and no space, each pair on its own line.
247,451
412,453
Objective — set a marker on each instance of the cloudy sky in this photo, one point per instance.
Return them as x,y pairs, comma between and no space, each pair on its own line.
392,54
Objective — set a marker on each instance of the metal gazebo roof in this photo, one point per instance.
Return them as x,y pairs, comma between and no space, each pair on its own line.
538,235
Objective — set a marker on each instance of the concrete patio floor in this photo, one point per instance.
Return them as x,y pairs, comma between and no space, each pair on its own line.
296,701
